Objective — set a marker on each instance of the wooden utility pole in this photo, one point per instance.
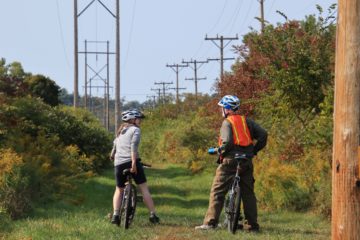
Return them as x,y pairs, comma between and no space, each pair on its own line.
262,18
177,93
117,66
176,68
221,47
196,67
164,88
346,152
158,90
86,77
76,58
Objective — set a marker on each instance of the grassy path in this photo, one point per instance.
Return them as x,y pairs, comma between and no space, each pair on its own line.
181,200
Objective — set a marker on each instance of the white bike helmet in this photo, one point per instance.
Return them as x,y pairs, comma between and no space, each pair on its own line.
131,114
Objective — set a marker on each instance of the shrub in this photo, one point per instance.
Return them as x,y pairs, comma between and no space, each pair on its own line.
14,185
41,142
72,127
278,186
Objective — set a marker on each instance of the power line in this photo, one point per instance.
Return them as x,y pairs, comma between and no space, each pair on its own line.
219,18
247,14
233,18
62,34
130,34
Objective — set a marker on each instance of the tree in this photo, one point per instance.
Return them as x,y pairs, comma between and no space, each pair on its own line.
45,88
293,61
66,98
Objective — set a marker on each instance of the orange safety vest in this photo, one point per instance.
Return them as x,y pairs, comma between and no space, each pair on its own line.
241,133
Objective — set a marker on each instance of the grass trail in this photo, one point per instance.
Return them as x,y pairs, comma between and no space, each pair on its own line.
181,200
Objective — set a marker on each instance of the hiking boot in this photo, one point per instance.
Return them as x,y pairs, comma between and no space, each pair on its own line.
252,228
204,227
154,219
115,220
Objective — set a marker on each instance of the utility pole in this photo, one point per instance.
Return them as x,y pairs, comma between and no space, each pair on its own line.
97,73
196,67
177,93
117,67
158,90
262,19
346,139
92,108
76,59
117,57
152,100
221,47
163,84
175,68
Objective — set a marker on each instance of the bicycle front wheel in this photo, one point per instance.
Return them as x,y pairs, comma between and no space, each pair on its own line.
133,202
230,209
127,205
235,222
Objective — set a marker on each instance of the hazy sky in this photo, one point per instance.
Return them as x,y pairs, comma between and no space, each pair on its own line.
39,34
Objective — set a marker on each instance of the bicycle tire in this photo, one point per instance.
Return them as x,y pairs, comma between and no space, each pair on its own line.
133,202
230,209
127,205
234,224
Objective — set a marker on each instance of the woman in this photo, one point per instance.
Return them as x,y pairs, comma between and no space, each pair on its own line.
125,155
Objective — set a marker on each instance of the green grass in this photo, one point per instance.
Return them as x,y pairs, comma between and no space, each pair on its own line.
181,200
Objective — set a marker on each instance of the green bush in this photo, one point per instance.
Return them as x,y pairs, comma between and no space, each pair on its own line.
183,139
14,185
278,186
72,127
43,149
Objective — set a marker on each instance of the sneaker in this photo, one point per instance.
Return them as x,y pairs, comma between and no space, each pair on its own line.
204,227
154,219
115,220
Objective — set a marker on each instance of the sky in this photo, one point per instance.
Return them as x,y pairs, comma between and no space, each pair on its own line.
39,34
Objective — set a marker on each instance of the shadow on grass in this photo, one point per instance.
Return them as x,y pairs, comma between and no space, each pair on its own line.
179,202
290,231
168,173
95,197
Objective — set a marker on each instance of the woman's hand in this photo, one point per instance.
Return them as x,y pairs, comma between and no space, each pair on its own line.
133,168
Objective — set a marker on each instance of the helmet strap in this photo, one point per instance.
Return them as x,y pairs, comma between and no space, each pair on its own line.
224,113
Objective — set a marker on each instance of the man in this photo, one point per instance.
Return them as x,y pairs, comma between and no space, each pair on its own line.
237,135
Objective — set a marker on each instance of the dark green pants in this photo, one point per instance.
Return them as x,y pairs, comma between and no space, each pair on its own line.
222,181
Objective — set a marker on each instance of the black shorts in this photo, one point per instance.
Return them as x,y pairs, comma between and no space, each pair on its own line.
120,178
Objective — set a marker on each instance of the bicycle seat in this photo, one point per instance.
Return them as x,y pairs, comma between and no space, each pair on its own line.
126,171
241,156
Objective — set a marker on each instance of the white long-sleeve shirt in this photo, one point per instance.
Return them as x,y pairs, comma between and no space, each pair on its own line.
126,143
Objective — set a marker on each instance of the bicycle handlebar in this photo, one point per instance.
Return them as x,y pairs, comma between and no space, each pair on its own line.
145,165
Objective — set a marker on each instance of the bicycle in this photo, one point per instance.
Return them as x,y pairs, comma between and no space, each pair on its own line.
129,199
233,200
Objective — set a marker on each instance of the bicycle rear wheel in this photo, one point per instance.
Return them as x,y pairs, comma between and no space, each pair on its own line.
235,222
